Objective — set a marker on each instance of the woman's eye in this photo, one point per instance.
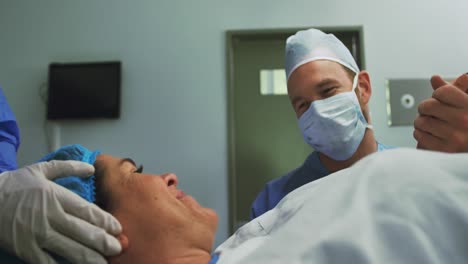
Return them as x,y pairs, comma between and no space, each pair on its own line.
139,169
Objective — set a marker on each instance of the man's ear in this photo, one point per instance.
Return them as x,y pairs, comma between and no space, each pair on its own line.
364,86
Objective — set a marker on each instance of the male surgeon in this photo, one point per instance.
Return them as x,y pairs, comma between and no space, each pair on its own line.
330,96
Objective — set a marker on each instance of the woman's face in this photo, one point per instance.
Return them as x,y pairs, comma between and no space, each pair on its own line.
155,215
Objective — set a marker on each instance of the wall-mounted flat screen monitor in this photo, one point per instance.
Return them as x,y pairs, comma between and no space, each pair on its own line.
84,90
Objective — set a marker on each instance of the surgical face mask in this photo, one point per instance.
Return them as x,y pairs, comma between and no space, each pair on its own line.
335,126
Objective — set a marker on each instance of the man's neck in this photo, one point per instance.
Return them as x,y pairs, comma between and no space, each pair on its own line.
368,146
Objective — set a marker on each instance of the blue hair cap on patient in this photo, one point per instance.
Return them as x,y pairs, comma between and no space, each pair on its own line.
84,187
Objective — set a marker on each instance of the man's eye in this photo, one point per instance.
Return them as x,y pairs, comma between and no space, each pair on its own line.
302,105
140,169
330,90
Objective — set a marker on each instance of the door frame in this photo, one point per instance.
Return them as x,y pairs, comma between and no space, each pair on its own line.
236,35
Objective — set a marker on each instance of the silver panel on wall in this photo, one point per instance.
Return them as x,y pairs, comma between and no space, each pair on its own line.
403,98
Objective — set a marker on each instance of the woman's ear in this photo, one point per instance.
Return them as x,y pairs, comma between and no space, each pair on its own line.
123,239
364,86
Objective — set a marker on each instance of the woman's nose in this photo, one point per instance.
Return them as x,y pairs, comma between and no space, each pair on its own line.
170,179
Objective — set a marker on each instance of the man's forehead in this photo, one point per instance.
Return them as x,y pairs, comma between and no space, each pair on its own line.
321,69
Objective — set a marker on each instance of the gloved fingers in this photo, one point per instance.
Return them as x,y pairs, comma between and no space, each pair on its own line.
86,233
72,250
80,208
62,168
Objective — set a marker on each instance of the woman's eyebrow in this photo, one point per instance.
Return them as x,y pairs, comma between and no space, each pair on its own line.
122,161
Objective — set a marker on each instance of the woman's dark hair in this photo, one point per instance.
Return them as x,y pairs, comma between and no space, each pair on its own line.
102,192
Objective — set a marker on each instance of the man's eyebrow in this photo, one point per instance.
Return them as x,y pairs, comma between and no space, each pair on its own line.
122,161
326,82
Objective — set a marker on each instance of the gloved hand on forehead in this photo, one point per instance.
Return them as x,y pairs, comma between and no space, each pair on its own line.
39,216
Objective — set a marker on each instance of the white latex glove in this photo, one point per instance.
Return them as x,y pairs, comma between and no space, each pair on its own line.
38,216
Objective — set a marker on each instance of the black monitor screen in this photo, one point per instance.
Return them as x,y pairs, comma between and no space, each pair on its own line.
84,90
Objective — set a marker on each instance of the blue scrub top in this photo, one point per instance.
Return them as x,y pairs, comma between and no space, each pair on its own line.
9,136
312,169
9,143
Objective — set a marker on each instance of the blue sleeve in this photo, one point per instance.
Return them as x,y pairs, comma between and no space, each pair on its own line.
214,259
275,190
270,196
260,205
9,136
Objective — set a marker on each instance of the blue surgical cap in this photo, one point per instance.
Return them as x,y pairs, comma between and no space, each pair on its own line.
84,187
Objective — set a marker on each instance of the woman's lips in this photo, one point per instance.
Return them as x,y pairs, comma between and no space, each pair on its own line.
180,194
